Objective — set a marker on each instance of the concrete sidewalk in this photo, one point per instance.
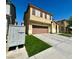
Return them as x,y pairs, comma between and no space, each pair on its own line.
17,54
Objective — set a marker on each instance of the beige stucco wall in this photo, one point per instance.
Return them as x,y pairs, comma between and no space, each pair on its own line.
39,19
57,28
49,29
53,29
30,29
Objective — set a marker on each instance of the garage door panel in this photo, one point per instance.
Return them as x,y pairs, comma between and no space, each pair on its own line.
39,29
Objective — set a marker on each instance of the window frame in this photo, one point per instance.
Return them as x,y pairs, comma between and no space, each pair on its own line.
41,14
33,11
45,16
50,17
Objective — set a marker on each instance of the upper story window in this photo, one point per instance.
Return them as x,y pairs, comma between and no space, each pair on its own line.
8,9
50,17
41,14
33,11
46,16
37,13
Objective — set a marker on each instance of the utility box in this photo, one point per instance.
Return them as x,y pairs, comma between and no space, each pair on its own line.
16,36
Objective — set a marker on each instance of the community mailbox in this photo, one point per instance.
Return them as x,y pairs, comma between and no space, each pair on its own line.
16,36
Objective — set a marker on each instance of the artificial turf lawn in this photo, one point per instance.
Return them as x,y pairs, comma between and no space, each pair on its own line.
34,45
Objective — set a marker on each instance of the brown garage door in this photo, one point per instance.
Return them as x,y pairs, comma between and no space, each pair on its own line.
39,29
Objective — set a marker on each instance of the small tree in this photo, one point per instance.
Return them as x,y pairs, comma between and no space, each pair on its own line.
70,22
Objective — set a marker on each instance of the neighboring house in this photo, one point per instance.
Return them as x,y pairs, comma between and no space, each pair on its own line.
38,21
54,27
63,26
10,14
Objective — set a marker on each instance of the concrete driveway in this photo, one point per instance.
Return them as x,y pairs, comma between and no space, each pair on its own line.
61,47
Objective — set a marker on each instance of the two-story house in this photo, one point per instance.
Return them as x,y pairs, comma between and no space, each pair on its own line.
63,26
38,21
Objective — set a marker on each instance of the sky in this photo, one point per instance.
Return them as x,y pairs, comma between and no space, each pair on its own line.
60,9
